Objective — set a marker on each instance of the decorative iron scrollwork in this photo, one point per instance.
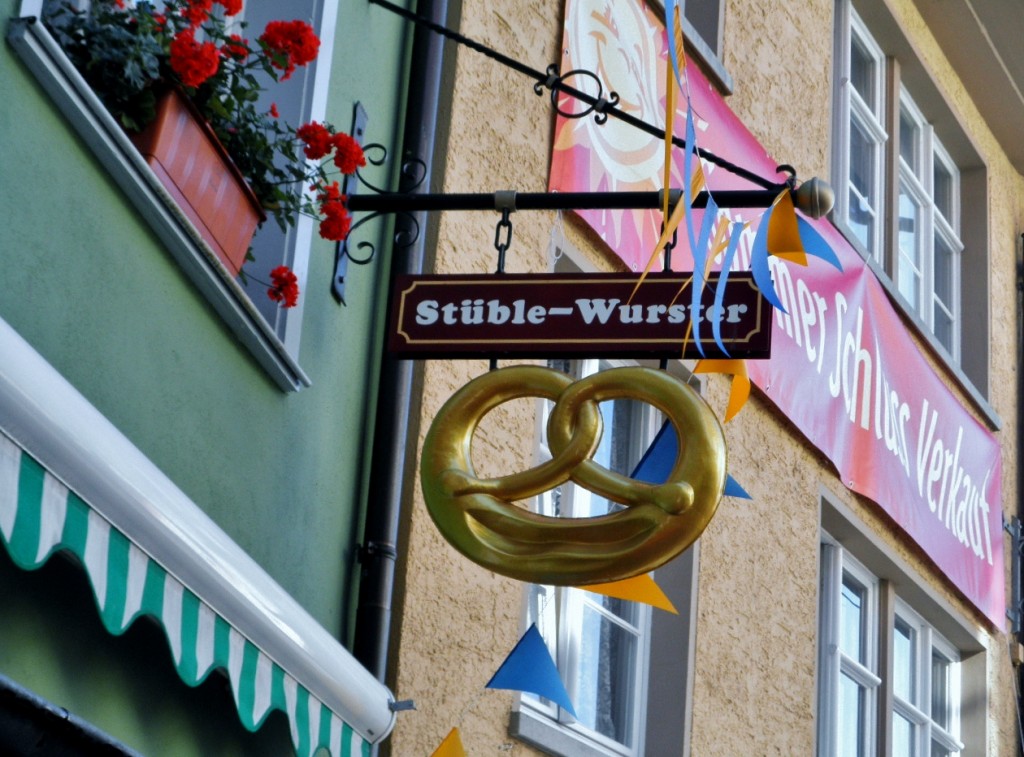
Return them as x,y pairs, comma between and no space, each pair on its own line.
599,106
413,172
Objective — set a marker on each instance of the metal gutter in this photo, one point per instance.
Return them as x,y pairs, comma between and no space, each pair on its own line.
392,453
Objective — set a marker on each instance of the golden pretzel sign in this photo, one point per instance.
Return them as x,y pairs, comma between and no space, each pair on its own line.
659,521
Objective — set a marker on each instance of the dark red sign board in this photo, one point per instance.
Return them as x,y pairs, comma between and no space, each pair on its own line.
575,315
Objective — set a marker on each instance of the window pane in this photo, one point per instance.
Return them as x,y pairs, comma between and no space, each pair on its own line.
903,655
940,751
910,268
852,620
863,75
902,737
940,691
628,611
605,687
862,182
944,184
704,14
946,274
945,270
851,718
910,139
944,327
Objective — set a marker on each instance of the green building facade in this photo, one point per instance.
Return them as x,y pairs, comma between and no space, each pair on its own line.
185,467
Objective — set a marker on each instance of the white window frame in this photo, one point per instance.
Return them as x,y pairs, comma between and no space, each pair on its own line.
917,709
706,44
920,185
870,117
938,627
834,662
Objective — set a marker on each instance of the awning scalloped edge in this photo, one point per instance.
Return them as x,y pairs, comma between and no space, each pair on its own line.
39,516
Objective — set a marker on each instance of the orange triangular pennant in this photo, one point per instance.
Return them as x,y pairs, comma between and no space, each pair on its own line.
637,589
740,391
451,746
783,234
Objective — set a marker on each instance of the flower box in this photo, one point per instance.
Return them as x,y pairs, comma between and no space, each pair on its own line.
194,168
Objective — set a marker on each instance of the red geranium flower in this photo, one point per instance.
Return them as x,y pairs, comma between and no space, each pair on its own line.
197,11
337,222
348,155
273,111
317,139
290,44
285,287
236,48
231,7
193,62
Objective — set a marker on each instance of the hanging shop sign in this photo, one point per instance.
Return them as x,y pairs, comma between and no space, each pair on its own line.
844,369
566,315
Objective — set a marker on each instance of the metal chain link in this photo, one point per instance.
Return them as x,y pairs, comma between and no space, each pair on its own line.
501,244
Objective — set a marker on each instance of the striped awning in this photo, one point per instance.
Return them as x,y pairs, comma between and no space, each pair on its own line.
148,550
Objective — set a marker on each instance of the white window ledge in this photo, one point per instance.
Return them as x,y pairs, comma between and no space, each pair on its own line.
90,119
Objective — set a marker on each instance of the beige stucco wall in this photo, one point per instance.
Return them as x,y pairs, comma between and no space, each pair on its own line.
756,648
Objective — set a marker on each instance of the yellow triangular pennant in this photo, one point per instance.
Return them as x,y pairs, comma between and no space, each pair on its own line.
451,746
740,390
637,589
783,234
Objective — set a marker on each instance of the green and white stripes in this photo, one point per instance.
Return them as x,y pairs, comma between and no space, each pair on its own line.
40,516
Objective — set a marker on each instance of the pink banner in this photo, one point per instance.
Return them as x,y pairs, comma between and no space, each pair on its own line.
843,369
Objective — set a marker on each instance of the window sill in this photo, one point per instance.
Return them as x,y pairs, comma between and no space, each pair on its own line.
73,97
551,738
962,380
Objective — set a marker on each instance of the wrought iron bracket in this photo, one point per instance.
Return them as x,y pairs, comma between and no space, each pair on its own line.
813,197
341,254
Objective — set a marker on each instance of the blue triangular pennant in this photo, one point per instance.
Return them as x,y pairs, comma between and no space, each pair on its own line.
733,489
815,244
529,667
656,464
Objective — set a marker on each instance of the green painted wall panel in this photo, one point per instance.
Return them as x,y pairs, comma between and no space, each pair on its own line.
89,286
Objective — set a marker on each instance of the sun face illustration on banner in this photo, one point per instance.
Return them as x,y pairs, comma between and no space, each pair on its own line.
615,155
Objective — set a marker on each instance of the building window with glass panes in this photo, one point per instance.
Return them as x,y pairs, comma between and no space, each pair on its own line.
889,681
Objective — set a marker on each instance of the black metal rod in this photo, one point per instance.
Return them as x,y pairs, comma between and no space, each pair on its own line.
543,78
395,202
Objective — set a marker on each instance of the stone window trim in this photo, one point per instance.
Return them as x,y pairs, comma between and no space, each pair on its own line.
83,110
